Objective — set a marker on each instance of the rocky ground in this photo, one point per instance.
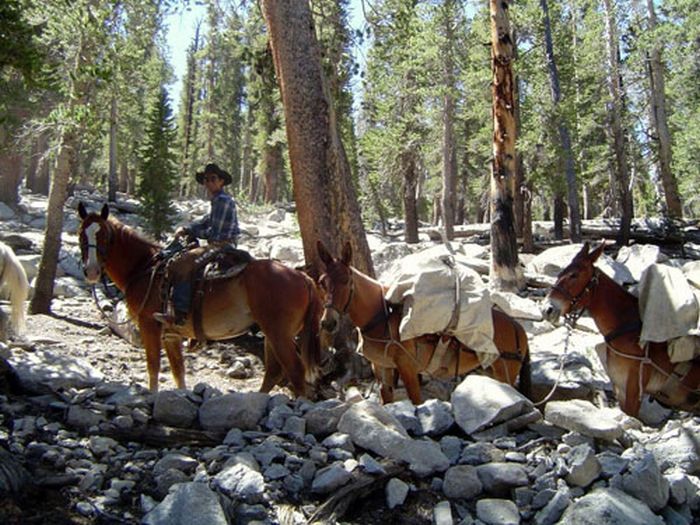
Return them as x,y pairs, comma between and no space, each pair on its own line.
81,440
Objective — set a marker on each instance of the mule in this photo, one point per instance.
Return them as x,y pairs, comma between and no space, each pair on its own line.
633,369
349,291
13,280
281,301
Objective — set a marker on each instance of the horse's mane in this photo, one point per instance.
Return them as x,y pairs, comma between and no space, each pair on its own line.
126,233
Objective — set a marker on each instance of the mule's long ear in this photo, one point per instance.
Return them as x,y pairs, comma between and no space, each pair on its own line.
105,211
82,212
593,256
323,253
346,257
583,252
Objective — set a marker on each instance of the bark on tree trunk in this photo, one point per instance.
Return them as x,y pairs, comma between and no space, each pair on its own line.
273,172
410,197
619,150
327,206
528,241
558,216
124,177
449,156
247,156
10,169
189,88
112,184
564,136
505,272
660,123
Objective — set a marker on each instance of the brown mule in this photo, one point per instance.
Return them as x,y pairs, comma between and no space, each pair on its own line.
633,370
347,290
283,302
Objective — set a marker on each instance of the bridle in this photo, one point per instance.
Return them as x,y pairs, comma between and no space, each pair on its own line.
576,307
330,306
102,250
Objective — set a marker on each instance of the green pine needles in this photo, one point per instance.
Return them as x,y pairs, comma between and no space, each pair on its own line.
158,174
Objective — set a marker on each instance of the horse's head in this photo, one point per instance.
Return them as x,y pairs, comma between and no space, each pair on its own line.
95,236
336,286
571,291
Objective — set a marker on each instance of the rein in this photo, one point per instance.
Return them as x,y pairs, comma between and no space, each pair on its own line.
153,272
570,320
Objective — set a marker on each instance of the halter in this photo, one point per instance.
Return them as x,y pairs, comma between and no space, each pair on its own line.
102,251
576,308
330,306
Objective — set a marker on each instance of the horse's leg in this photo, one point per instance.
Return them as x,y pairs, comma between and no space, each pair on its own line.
387,379
285,353
173,349
409,375
273,371
150,335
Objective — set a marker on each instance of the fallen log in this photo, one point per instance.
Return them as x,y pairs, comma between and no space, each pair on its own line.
163,436
358,488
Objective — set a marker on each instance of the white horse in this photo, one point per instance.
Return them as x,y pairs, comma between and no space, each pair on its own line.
14,283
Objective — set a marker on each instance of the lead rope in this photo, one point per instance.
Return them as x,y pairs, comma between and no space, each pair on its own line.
141,307
569,329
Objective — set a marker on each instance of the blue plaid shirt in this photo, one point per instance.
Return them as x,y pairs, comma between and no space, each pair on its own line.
222,222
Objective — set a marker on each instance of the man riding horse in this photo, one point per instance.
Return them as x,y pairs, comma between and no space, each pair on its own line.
219,228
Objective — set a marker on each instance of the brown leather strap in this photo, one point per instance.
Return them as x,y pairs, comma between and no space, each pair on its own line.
197,308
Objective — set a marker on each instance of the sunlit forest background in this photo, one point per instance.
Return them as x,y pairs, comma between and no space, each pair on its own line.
96,75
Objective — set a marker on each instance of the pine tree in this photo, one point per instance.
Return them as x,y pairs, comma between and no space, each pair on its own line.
158,168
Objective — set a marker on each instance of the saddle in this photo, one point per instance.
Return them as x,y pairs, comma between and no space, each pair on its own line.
214,263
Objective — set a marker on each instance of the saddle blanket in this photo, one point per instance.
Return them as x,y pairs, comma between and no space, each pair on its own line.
442,295
668,307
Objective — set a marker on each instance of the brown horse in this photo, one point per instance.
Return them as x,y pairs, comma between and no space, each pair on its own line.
633,370
349,291
283,302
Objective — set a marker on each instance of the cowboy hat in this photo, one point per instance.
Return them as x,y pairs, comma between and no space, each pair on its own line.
213,169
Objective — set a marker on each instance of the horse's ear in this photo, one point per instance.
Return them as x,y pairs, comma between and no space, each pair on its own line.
82,212
583,252
105,211
346,257
593,256
323,253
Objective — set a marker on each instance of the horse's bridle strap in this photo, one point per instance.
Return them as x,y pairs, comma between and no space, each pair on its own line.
331,306
575,310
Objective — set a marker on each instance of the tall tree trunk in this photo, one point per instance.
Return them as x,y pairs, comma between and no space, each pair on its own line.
505,271
410,196
327,206
124,177
38,170
247,155
449,155
585,191
273,172
615,113
528,241
189,89
558,216
660,123
10,168
564,137
65,164
113,178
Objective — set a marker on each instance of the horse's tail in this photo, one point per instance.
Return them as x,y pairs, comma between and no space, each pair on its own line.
525,376
309,341
14,280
